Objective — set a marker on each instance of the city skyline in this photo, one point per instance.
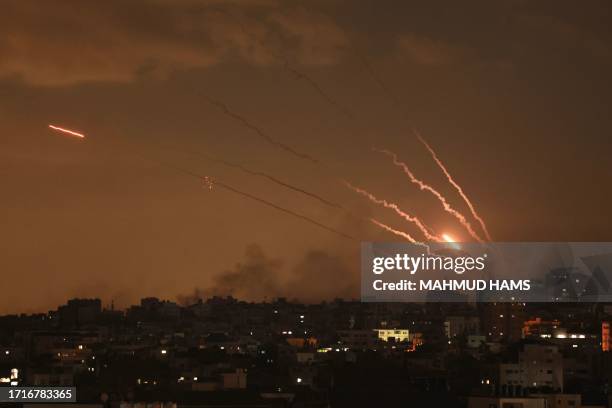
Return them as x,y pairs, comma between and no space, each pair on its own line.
274,354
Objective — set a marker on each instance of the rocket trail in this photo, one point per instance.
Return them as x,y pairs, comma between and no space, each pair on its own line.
285,210
456,186
312,195
317,197
368,67
210,183
399,233
282,58
276,181
396,103
397,210
426,187
244,122
256,173
314,85
234,190
69,132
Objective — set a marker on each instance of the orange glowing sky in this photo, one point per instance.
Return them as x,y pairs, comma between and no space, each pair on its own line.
515,99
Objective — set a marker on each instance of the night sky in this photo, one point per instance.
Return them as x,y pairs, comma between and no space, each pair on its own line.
514,96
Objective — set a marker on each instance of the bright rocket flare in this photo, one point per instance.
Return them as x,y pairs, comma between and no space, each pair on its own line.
453,243
447,207
69,132
448,238
457,187
395,208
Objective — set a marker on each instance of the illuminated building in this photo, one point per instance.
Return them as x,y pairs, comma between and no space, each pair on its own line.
301,342
397,335
605,336
416,339
539,328
552,331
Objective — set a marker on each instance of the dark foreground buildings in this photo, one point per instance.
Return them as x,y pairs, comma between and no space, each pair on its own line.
226,353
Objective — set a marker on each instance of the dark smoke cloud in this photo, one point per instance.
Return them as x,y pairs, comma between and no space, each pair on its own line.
255,278
55,43
318,276
324,276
